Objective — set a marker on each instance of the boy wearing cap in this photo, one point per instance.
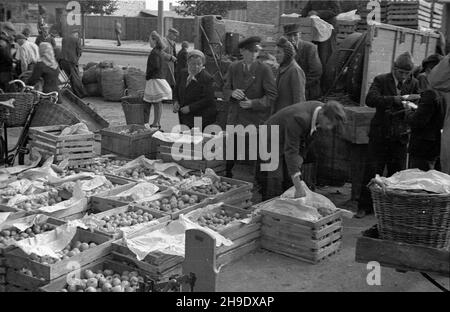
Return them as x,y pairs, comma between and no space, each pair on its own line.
388,134
308,59
6,58
44,36
251,91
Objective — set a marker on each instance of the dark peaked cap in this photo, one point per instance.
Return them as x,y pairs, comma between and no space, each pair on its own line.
291,28
250,43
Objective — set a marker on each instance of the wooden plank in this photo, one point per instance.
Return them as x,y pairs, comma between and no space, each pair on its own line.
237,253
239,242
16,278
77,143
75,156
278,235
403,256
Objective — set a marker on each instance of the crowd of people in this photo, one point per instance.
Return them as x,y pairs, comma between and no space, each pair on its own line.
409,127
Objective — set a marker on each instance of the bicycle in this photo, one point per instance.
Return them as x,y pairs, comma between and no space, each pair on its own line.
20,149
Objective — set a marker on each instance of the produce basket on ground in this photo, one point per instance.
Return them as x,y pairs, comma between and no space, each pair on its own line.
113,84
22,106
103,275
134,80
136,111
77,148
410,217
129,141
68,245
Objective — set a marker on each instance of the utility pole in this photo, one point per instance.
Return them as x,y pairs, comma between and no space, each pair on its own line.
161,17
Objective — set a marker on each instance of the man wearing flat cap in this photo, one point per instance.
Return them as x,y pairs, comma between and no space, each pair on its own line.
45,36
388,134
27,53
308,59
6,59
251,91
171,49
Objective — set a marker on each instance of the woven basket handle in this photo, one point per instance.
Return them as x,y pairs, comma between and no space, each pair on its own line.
375,181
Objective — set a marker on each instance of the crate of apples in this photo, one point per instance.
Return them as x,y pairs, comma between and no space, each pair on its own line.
9,236
105,281
112,222
136,173
173,203
107,166
215,188
49,198
68,252
132,132
216,220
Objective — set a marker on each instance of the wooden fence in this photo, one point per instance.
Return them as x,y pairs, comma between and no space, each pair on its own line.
135,28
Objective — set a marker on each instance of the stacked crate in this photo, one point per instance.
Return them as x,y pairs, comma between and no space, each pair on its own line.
304,240
415,14
77,148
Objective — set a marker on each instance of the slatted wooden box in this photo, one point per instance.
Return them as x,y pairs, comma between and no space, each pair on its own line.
157,265
414,14
128,145
356,129
245,237
303,240
77,148
105,263
156,216
17,259
4,279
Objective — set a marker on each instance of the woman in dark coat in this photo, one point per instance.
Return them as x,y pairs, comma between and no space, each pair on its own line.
194,93
46,68
157,89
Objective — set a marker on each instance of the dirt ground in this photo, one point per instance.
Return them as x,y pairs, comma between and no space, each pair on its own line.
266,271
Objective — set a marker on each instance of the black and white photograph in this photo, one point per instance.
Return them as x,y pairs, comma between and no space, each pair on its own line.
242,150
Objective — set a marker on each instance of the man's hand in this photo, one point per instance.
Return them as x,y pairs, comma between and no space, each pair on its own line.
238,94
176,107
411,97
174,59
299,191
185,110
312,13
245,104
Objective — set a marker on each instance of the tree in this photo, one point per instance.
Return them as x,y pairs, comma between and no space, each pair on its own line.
196,8
103,7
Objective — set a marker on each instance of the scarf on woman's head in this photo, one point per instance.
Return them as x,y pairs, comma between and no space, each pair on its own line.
288,49
47,55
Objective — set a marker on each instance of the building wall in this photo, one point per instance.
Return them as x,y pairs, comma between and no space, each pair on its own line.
129,8
263,12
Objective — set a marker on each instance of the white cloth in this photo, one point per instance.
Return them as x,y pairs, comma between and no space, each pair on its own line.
157,90
27,54
314,120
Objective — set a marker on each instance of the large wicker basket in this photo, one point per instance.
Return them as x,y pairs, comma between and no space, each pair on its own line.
22,106
136,111
412,218
50,114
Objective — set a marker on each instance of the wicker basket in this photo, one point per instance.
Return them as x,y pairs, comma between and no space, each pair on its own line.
18,116
49,114
136,111
412,218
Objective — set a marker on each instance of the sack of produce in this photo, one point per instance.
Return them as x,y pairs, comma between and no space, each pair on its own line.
134,80
93,89
106,64
89,65
113,84
90,75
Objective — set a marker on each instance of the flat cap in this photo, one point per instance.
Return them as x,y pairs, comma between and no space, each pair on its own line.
20,36
250,43
432,59
9,26
174,31
291,29
404,62
197,53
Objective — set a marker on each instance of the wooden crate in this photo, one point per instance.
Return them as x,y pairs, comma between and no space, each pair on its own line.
17,259
174,215
245,237
303,240
20,282
78,148
129,146
105,263
356,129
160,217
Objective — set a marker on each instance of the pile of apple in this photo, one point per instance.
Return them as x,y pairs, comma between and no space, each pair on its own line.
106,166
215,188
218,220
8,236
49,198
68,252
105,281
136,173
134,132
174,203
108,185
124,219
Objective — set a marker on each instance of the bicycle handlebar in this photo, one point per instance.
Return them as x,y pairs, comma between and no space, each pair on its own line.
53,94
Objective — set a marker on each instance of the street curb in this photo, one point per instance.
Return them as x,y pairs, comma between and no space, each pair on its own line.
92,49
